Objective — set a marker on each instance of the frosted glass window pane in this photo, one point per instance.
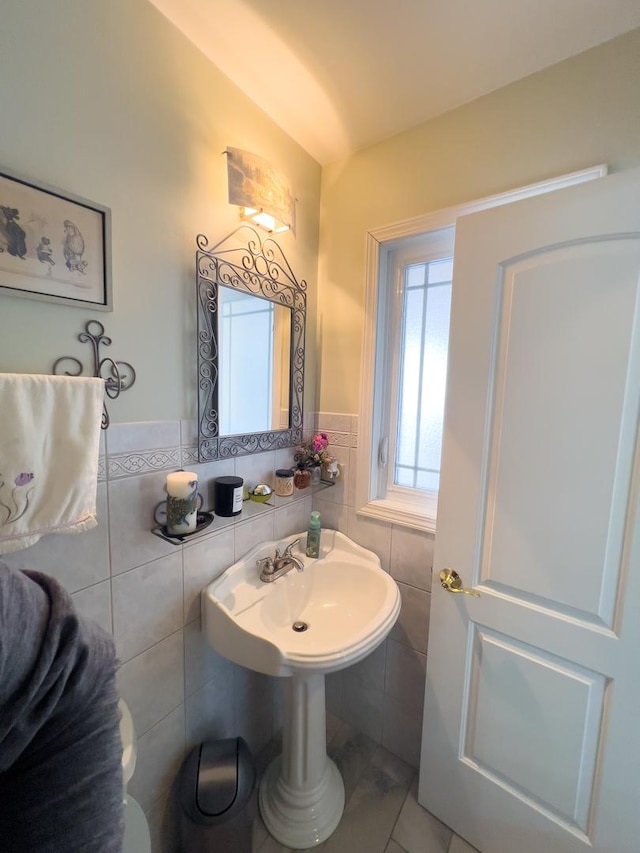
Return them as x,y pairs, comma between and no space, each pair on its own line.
410,377
434,376
405,477
441,271
428,480
423,370
415,275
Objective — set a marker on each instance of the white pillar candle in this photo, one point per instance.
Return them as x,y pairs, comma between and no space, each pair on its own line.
182,502
181,484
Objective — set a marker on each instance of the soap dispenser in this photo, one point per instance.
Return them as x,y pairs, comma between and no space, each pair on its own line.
313,535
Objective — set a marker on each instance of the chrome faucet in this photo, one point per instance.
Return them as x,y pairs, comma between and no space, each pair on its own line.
272,568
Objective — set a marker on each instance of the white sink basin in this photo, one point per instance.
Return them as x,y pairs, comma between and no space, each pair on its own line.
348,605
346,599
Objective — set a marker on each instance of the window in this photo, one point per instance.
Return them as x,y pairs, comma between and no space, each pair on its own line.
415,325
424,343
408,301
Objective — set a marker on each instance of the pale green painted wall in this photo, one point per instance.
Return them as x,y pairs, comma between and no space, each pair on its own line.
578,113
104,98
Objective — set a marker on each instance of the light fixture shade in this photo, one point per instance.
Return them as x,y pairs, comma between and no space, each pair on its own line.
262,194
263,220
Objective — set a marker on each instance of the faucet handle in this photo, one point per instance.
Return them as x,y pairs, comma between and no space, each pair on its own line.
289,548
266,565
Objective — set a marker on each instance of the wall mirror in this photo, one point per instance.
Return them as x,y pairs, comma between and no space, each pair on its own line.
251,329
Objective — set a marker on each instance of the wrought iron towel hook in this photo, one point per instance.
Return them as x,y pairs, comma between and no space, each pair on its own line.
118,376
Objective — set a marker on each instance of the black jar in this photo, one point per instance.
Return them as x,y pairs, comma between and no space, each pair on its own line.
228,495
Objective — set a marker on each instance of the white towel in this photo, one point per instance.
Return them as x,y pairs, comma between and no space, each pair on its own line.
49,441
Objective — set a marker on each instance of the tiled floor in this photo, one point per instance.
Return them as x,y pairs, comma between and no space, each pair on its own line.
381,814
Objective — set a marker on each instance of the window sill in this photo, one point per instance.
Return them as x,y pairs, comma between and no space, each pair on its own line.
415,513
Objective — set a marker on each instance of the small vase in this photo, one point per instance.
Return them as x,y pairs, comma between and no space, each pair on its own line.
302,477
316,471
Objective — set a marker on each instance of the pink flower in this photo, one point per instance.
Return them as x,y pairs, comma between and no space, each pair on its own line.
314,450
319,442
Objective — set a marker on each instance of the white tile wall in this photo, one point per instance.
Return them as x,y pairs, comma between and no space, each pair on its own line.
332,515
254,691
153,682
369,674
147,605
211,712
131,504
401,731
250,533
94,602
412,627
405,675
256,469
371,534
412,557
384,694
203,561
160,754
201,663
292,518
363,708
146,589
363,694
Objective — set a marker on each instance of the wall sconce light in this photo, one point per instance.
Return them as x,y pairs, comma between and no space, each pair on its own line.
263,220
262,194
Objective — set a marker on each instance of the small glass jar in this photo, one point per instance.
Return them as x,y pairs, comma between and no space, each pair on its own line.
316,472
302,477
284,482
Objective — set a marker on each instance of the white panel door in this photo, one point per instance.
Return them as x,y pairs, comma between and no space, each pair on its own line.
531,736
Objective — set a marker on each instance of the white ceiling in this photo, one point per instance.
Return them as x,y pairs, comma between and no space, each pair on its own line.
339,75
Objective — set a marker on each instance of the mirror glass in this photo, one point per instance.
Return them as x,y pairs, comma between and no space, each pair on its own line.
251,330
254,355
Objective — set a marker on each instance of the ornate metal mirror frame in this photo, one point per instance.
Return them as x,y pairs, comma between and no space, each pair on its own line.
244,261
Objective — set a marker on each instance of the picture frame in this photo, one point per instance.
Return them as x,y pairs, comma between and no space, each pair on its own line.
54,246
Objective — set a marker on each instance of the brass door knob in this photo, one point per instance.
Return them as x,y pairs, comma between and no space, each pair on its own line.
452,582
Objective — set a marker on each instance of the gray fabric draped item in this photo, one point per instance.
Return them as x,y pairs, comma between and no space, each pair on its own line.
60,749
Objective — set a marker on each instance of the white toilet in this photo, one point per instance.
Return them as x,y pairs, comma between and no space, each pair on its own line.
136,830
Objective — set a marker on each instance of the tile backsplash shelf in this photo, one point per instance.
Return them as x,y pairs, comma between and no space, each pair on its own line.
249,510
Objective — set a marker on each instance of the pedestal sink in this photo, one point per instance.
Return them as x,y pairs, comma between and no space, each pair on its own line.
302,626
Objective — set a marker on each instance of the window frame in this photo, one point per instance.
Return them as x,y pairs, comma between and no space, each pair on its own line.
402,254
402,506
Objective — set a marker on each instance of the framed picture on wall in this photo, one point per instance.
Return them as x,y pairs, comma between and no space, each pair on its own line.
54,246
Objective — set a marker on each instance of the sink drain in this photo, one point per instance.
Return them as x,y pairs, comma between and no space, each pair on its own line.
299,627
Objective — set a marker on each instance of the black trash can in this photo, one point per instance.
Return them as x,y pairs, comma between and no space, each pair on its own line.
216,789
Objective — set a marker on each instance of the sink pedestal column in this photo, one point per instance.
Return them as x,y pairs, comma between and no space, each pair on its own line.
302,794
